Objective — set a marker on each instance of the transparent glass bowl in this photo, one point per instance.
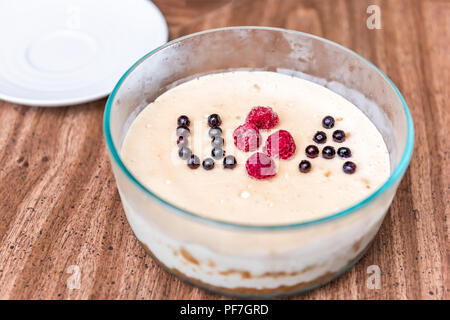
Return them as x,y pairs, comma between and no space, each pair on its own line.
251,260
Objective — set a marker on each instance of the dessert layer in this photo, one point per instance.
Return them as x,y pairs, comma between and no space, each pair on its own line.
247,292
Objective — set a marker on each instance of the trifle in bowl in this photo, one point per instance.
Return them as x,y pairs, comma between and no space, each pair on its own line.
256,161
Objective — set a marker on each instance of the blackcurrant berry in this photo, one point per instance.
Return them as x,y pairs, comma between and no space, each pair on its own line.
182,142
208,164
339,136
328,152
217,153
320,137
214,120
217,142
304,166
349,167
183,121
184,153
183,131
193,162
215,132
344,152
312,151
328,122
229,162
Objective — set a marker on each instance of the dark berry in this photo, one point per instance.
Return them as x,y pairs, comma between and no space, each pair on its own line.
215,132
312,151
184,153
217,153
182,142
344,152
193,162
349,167
320,137
183,121
214,120
208,164
183,131
328,122
328,152
229,162
217,142
339,136
304,166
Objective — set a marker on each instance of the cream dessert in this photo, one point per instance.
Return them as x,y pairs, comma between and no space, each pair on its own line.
308,178
150,150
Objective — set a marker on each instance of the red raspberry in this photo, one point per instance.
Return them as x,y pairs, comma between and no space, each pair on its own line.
263,117
247,137
280,144
260,166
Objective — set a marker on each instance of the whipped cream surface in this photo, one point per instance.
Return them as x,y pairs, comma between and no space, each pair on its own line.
150,151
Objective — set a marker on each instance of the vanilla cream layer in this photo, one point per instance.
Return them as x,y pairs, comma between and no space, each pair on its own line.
150,152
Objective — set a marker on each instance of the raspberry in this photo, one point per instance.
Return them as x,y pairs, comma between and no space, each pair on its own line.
280,144
247,137
263,117
260,166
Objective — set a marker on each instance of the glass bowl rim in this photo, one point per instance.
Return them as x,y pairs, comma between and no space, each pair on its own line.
393,178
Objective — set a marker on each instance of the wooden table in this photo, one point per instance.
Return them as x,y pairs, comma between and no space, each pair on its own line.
59,205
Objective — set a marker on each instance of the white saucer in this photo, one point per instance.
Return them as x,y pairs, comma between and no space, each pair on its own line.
56,53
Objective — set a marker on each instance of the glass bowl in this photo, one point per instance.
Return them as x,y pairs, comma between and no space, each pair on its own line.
251,260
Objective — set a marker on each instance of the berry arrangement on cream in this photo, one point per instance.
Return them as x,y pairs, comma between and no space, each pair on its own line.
215,133
256,147
280,145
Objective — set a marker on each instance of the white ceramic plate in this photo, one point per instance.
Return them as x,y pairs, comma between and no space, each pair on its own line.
64,52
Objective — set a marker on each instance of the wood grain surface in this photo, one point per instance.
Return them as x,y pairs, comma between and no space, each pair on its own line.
59,205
